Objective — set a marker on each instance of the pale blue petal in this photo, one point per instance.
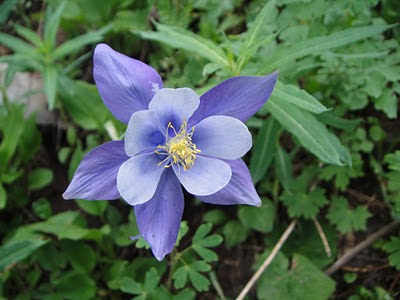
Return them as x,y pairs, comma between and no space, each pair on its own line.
222,137
174,105
138,178
143,133
159,218
239,190
206,177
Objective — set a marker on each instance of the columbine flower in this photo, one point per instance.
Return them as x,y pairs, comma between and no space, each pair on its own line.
174,137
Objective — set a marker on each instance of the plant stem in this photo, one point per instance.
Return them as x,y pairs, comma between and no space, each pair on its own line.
267,261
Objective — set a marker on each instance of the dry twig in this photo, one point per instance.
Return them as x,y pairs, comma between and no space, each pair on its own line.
361,246
267,261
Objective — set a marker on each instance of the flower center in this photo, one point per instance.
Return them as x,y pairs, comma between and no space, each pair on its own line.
179,148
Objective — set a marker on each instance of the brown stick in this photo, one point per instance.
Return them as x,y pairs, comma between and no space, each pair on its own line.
361,246
267,261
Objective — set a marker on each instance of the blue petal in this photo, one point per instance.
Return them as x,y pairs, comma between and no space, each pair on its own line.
159,218
239,97
143,133
206,177
95,177
222,137
239,190
126,85
138,178
174,105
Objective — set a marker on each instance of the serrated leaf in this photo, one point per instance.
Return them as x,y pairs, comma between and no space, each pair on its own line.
264,149
234,233
258,218
387,102
75,286
347,219
304,205
302,281
393,248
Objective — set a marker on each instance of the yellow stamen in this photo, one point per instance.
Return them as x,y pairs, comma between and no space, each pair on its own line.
179,148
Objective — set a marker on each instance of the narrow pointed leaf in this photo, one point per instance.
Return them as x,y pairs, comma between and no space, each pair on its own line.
264,149
183,39
311,133
284,54
51,24
50,84
298,97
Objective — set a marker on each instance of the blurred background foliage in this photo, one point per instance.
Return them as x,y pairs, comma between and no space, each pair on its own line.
324,148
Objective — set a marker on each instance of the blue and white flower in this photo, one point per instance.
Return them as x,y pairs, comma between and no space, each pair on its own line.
174,137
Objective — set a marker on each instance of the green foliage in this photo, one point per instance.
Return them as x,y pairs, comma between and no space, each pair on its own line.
346,219
326,131
392,247
301,280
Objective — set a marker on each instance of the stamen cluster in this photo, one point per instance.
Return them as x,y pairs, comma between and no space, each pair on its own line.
180,148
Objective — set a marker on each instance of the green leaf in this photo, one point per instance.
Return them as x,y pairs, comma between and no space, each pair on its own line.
387,102
5,9
16,44
176,37
16,251
311,133
3,197
304,205
81,256
201,232
180,277
284,54
83,103
393,248
298,97
128,285
215,216
39,178
302,281
205,253
329,118
199,281
347,219
30,140
151,280
50,84
255,27
11,130
75,286
234,233
73,45
52,21
96,208
42,208
29,35
258,218
283,167
264,149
